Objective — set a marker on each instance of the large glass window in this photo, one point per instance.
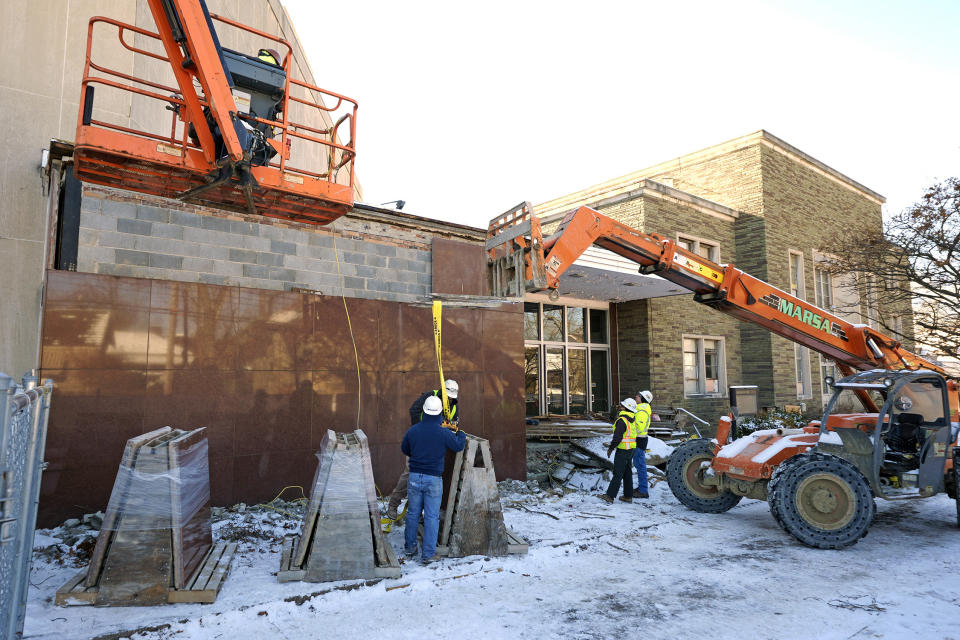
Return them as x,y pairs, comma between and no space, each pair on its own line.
567,360
531,371
575,324
552,323
704,369
554,366
598,326
531,321
576,380
599,387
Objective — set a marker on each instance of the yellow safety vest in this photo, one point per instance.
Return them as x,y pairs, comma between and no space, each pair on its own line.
642,419
629,440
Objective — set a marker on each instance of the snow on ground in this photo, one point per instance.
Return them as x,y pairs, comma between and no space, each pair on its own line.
651,569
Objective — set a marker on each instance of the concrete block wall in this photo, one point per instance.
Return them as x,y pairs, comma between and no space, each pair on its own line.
140,237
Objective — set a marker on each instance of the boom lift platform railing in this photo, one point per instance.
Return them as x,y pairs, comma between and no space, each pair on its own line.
231,126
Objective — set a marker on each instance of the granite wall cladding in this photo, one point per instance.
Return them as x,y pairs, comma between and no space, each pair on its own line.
267,372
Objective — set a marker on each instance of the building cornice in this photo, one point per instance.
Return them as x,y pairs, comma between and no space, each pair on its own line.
650,189
630,181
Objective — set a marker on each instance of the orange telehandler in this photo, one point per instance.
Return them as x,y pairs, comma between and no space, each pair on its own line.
242,134
821,480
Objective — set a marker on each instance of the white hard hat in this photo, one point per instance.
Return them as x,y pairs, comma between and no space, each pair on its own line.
452,388
646,395
630,404
432,406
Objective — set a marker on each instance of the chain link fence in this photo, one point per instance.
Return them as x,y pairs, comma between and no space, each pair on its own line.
24,409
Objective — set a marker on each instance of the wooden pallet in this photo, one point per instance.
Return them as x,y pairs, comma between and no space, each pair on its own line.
202,587
290,573
516,544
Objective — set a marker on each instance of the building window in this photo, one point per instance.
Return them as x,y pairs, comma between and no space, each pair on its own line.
827,368
801,355
873,312
823,287
566,359
797,288
896,324
703,366
703,248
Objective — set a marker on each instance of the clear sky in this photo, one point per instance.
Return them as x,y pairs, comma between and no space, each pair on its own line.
469,108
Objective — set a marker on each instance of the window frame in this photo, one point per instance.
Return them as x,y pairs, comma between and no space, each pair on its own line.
701,366
566,345
696,241
798,289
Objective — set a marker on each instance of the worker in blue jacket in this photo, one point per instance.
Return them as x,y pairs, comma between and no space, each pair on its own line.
426,444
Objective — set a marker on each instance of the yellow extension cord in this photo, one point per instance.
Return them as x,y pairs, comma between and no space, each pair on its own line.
356,355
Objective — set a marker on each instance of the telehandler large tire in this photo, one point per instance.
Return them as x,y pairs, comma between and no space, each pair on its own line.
823,501
956,480
775,479
685,473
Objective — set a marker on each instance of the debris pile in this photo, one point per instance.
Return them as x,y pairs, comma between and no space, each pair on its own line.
584,465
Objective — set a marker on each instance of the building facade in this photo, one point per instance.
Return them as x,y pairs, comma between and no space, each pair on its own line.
755,201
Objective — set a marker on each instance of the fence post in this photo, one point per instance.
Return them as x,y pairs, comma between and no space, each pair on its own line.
32,502
7,514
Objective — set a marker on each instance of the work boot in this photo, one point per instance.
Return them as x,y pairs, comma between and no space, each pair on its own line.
641,495
604,497
625,499
392,514
430,560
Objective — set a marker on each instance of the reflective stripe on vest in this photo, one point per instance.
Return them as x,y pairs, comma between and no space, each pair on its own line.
642,419
629,440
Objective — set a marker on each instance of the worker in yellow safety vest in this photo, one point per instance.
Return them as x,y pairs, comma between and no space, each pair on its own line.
624,442
642,423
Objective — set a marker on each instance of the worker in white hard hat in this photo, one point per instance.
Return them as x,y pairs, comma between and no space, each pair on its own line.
624,442
426,444
416,415
642,422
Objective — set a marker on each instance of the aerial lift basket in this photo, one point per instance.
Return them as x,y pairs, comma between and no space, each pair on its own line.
208,125
340,538
155,544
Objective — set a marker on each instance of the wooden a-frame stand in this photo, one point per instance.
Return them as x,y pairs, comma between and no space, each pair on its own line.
340,538
473,521
155,544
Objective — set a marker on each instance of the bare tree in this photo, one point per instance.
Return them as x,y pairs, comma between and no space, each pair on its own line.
913,262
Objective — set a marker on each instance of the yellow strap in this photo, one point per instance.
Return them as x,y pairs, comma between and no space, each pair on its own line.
437,312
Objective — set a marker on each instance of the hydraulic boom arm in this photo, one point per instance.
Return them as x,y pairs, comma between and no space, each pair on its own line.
522,260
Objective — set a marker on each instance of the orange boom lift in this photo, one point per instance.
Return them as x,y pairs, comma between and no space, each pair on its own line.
229,139
820,480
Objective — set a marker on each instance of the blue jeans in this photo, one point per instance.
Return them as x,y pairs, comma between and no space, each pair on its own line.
640,462
423,494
